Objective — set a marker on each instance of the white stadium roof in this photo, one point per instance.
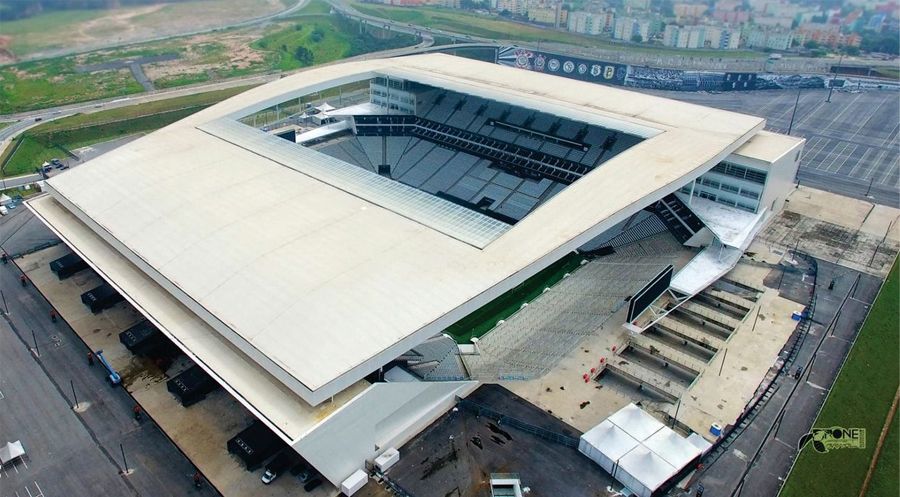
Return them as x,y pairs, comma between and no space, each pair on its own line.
310,278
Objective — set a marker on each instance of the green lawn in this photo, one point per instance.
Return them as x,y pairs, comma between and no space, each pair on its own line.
45,83
44,142
315,7
481,321
36,33
861,397
501,29
181,80
29,156
884,480
321,39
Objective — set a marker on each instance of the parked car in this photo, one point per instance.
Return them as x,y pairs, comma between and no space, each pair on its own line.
282,462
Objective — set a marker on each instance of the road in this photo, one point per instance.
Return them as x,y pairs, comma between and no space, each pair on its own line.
623,54
73,452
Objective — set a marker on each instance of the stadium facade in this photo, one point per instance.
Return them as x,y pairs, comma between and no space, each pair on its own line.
298,260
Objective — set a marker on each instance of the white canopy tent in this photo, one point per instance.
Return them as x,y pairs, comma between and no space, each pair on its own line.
605,444
642,471
635,422
638,450
11,451
674,449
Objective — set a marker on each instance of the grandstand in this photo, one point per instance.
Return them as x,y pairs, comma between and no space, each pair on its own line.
499,159
442,186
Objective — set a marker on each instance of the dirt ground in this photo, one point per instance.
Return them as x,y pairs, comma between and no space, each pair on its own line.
231,51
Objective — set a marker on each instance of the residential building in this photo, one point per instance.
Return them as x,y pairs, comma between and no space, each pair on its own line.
689,10
684,36
590,23
772,39
554,16
627,27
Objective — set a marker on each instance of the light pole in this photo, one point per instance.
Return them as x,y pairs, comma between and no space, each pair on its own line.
834,77
796,103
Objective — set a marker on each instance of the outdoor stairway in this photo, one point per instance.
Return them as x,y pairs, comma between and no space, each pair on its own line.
668,353
650,226
731,298
689,332
678,217
712,315
646,377
729,278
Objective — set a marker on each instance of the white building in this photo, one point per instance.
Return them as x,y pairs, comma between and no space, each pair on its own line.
291,300
627,27
590,23
684,36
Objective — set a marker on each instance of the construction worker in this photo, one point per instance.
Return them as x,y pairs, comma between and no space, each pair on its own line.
137,412
197,479
90,357
23,280
53,315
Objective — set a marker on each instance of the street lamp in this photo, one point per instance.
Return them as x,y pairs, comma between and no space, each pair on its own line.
834,76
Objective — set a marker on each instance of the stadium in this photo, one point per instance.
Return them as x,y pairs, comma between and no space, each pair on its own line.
313,243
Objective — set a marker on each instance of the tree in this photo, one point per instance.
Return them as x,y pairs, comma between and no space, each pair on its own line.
851,51
811,44
637,38
304,56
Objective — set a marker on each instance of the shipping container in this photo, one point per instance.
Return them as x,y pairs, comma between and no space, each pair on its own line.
101,298
192,385
255,444
68,265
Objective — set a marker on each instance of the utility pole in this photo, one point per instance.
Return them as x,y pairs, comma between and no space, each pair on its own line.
125,471
794,113
834,77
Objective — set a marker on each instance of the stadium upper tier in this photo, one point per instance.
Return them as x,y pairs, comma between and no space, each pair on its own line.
319,271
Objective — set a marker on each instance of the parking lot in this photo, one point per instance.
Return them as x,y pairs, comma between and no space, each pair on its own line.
852,144
73,447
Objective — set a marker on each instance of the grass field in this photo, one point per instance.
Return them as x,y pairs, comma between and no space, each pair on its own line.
221,55
46,141
481,321
85,29
884,480
34,85
324,39
860,397
500,29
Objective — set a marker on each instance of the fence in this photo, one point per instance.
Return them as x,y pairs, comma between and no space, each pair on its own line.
505,420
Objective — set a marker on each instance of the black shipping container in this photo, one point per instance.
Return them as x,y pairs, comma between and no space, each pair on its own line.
255,444
100,298
142,338
192,385
67,266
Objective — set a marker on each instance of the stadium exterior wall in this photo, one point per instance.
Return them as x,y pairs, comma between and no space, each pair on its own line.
384,415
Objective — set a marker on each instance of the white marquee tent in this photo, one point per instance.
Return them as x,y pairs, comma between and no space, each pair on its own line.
638,450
